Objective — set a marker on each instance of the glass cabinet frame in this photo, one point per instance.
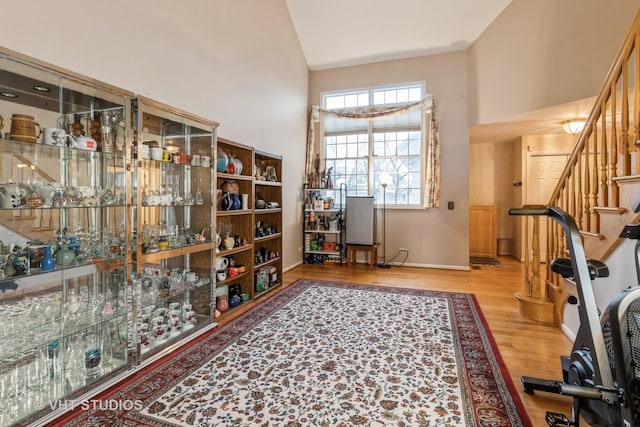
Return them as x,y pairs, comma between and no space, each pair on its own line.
64,299
172,221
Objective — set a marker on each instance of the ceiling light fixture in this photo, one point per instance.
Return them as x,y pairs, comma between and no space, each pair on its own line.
41,88
573,126
8,94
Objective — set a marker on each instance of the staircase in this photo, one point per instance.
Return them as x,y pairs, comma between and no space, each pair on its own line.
597,187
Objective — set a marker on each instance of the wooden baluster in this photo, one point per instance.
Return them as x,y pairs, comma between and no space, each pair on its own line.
586,222
604,163
527,282
593,194
572,184
536,290
636,107
613,159
579,193
624,139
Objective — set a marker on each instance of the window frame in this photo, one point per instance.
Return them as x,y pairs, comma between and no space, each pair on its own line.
423,129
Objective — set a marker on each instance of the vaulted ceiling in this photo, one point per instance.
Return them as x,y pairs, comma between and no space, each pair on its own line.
337,33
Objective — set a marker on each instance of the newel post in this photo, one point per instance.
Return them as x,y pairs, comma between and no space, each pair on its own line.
532,301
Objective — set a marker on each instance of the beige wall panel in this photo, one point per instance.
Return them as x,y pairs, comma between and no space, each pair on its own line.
434,237
542,53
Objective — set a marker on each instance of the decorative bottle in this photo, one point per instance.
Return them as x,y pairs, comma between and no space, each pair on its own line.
48,261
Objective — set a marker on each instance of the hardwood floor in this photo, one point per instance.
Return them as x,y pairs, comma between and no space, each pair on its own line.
526,347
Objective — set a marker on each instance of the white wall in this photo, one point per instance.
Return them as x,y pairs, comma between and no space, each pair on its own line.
236,62
622,274
434,237
543,53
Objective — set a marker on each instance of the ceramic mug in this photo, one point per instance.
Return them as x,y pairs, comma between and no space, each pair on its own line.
166,156
84,143
189,316
12,195
156,153
232,271
56,136
205,161
23,128
221,275
221,263
144,151
160,330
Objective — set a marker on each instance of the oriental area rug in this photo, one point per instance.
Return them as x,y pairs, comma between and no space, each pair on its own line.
332,354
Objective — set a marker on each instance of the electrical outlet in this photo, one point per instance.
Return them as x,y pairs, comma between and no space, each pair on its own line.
404,251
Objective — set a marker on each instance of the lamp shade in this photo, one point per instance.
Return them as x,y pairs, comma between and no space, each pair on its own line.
574,126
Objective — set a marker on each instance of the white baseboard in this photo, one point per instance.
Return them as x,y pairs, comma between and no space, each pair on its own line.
436,266
291,267
568,332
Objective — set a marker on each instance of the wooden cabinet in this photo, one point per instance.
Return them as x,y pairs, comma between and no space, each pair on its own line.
248,224
234,224
268,223
482,231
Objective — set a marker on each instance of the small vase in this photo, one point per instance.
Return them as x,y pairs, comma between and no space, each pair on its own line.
236,203
227,201
229,242
65,255
222,160
222,303
48,261
235,301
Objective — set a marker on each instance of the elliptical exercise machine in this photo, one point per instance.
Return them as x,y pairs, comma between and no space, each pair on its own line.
602,374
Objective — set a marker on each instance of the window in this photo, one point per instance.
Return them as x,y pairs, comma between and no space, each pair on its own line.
366,153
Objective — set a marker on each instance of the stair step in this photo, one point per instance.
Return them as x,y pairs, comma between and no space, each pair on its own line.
606,210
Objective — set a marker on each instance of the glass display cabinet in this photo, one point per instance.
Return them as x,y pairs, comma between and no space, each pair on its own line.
64,297
173,221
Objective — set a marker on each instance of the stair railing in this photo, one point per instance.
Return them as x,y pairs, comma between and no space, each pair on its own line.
606,154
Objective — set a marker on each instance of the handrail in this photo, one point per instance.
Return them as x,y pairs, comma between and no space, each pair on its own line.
603,158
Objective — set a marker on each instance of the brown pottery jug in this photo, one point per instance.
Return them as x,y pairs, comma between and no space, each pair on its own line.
222,303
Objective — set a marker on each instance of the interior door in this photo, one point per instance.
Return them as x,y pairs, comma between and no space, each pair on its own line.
483,241
543,173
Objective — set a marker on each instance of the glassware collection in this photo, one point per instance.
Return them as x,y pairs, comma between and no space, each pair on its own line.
54,344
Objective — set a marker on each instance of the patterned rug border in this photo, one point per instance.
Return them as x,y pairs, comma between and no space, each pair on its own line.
147,385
